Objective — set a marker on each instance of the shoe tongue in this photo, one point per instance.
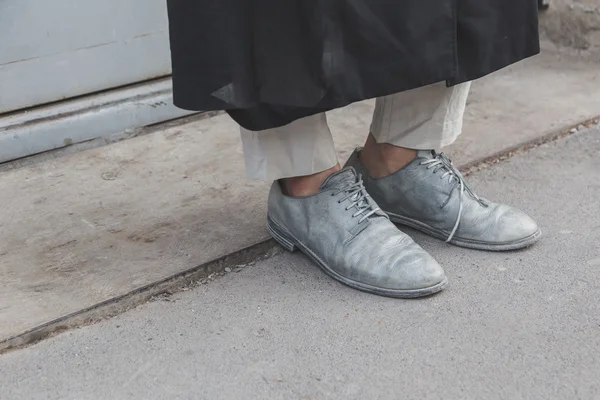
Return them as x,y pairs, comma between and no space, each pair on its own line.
428,154
340,179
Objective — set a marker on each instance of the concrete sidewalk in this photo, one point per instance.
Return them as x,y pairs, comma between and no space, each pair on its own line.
94,233
519,325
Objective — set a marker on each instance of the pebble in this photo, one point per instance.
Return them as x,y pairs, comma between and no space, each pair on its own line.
227,269
597,121
109,176
580,127
238,269
574,130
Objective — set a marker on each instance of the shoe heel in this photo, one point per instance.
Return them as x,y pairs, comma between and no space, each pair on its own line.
280,237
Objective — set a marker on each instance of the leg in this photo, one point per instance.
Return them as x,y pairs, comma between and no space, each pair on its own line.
422,119
328,214
301,155
420,188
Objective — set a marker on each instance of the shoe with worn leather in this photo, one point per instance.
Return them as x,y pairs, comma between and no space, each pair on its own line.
431,195
345,233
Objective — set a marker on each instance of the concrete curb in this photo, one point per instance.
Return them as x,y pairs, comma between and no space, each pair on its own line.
262,249
486,162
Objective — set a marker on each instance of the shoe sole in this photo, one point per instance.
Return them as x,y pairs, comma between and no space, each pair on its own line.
469,244
292,244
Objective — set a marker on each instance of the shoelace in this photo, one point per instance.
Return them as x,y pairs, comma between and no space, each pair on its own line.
441,161
360,200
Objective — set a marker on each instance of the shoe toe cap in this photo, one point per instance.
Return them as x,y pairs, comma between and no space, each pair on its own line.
514,225
395,262
415,269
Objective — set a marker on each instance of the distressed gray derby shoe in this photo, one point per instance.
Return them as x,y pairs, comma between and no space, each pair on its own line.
431,195
346,234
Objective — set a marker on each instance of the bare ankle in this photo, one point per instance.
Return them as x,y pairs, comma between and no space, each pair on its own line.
383,159
302,186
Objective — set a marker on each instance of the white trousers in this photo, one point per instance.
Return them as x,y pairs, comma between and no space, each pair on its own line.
426,118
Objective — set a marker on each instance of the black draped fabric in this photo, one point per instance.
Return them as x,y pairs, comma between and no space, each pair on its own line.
270,62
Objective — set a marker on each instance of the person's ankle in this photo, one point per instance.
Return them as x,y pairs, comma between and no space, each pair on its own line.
383,159
303,186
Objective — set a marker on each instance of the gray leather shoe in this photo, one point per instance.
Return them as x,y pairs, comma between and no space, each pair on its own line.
346,234
431,195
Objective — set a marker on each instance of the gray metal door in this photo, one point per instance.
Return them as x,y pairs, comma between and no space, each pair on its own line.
76,70
55,49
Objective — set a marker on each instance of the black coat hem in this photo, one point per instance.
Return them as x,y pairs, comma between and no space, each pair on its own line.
261,116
